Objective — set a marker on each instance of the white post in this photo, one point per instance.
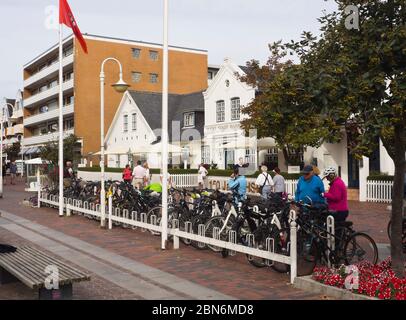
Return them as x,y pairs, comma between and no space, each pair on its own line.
39,188
363,175
110,212
1,152
102,177
60,123
293,251
165,131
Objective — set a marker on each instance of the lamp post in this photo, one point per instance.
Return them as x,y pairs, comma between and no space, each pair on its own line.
121,87
1,146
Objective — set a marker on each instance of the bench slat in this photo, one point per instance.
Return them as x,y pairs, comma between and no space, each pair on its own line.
20,273
73,272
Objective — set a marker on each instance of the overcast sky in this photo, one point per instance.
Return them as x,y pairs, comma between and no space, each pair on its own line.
239,29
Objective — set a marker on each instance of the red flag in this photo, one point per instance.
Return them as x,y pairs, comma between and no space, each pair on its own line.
66,17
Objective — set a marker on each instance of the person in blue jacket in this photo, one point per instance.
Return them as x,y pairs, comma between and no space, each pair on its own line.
310,186
238,185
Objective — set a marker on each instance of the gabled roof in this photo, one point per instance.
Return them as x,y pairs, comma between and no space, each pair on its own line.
150,104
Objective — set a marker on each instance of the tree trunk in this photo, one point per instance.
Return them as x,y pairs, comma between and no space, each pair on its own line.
286,156
397,203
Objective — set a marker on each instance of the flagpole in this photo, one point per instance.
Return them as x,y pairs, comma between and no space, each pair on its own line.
1,151
165,130
61,164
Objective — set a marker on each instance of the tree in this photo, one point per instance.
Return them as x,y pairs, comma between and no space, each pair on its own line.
71,150
13,151
283,108
362,86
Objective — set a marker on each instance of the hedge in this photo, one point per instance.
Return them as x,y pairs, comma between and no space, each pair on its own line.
214,173
380,177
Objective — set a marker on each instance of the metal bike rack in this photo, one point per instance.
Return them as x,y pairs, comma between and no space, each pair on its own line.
202,233
153,220
232,238
250,242
143,220
331,242
188,229
134,217
270,247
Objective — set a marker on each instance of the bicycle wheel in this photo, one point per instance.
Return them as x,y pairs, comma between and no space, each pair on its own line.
360,247
260,243
217,222
281,246
389,229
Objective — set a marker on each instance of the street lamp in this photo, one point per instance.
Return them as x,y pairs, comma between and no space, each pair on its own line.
120,87
1,147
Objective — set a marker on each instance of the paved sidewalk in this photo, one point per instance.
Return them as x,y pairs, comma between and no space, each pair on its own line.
128,264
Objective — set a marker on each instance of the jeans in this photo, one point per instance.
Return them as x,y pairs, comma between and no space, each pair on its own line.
339,216
266,191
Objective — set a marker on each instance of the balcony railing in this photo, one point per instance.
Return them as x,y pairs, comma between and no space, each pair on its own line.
14,130
41,139
50,115
47,94
46,72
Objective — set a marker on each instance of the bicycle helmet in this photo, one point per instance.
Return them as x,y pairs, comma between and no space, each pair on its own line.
329,170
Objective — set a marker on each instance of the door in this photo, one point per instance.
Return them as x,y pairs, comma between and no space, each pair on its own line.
228,158
353,172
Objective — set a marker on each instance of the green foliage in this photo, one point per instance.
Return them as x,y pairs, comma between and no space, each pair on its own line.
71,150
13,151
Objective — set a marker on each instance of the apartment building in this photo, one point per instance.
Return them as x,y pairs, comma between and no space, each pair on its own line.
142,65
13,120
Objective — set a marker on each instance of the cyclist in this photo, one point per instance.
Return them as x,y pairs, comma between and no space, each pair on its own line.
337,195
310,186
238,185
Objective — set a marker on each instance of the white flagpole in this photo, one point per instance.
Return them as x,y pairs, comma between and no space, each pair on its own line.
61,204
165,130
1,151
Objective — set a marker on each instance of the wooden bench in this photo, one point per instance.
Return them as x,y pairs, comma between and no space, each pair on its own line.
29,265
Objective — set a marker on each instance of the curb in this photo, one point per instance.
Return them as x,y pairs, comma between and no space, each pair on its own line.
308,284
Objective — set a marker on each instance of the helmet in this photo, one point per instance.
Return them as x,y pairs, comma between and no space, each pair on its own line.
329,170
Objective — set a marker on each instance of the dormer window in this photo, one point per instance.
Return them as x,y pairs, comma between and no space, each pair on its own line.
189,119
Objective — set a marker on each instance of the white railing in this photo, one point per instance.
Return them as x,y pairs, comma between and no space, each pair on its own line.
45,138
50,115
379,191
47,94
141,220
184,180
48,71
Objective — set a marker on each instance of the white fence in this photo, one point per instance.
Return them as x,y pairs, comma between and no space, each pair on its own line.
146,222
379,191
184,180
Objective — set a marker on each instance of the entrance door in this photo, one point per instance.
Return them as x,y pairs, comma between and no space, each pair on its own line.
228,158
353,172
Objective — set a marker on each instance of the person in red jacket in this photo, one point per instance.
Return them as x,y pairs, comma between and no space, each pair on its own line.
336,195
127,174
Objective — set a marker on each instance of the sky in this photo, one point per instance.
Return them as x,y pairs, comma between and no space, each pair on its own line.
238,29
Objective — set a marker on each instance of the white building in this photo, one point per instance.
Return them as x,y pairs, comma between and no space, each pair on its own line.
137,125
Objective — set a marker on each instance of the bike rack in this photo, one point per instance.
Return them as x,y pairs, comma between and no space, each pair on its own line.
154,220
250,242
175,225
331,241
202,233
134,217
270,247
232,238
143,220
188,229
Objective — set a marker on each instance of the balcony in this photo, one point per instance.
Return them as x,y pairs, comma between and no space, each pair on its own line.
50,115
47,94
48,72
14,130
17,114
41,139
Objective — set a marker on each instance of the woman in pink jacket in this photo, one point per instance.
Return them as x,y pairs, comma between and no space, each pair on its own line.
337,195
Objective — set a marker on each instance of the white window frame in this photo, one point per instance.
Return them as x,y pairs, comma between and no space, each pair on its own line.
151,77
136,76
125,123
136,50
206,154
235,109
189,119
220,111
153,55
134,121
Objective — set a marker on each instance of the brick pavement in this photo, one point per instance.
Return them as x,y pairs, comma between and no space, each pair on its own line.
232,276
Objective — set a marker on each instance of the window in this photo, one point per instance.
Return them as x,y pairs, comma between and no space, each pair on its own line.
69,100
189,119
136,53
153,55
68,51
52,127
125,123
235,109
210,75
206,154
220,111
53,84
134,121
153,78
68,124
136,76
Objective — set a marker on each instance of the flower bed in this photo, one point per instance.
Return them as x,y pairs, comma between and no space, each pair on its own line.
375,281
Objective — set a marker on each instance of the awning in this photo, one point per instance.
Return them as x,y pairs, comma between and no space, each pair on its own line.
37,161
32,150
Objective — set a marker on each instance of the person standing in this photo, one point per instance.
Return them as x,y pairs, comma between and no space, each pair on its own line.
138,175
13,172
279,182
4,172
147,178
238,185
336,195
310,187
127,174
264,182
202,176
